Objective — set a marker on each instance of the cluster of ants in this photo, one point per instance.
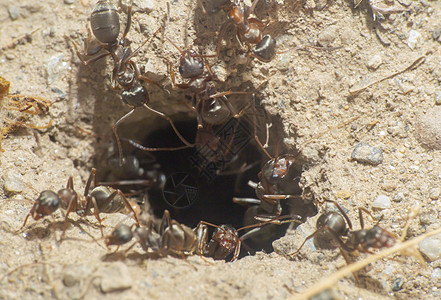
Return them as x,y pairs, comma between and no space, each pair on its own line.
278,186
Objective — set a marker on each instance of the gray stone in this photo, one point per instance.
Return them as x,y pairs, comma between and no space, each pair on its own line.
438,98
69,1
398,197
381,202
327,36
429,128
436,273
54,66
13,12
431,247
397,284
115,277
434,193
76,273
374,62
147,5
414,39
13,182
366,153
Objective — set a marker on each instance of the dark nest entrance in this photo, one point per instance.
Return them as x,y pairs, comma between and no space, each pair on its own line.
199,183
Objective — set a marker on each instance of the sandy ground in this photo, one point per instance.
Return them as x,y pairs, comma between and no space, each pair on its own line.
327,101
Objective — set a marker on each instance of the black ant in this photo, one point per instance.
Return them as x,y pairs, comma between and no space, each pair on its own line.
249,30
103,199
105,25
171,237
212,107
334,230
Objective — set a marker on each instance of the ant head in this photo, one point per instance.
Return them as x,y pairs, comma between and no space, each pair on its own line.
226,237
48,202
277,169
190,66
236,14
333,221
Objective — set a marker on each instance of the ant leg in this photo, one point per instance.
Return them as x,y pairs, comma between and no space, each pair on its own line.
129,21
251,10
69,184
143,148
26,219
71,207
143,43
81,56
144,78
165,222
255,128
307,238
237,249
202,6
96,212
360,215
130,207
118,141
246,201
202,236
164,116
92,177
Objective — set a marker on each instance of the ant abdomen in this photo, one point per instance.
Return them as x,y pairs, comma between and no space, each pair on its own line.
48,202
266,48
135,96
104,21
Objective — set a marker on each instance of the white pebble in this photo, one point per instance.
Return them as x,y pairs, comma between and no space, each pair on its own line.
414,37
381,202
374,62
431,247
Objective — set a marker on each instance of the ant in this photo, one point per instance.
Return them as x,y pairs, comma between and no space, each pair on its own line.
212,107
335,230
105,25
172,237
249,30
103,199
32,105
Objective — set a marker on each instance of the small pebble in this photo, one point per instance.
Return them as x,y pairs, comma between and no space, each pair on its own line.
13,12
397,284
13,182
438,98
431,247
54,66
427,219
381,202
60,93
389,185
436,273
374,62
147,5
366,153
69,1
436,34
116,277
327,36
429,128
434,193
414,38
75,273
398,197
